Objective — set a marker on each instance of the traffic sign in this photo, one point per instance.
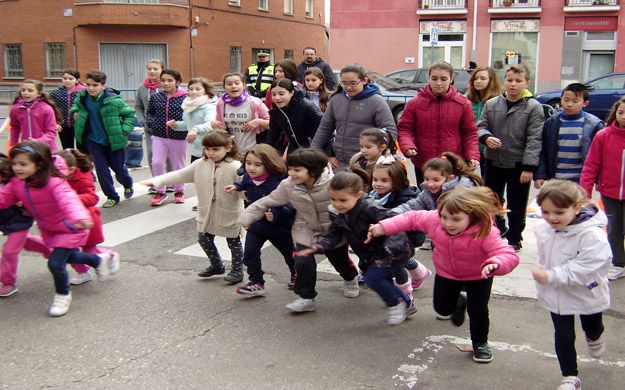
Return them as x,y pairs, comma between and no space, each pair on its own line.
434,35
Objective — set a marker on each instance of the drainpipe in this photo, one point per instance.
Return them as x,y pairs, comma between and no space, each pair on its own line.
474,43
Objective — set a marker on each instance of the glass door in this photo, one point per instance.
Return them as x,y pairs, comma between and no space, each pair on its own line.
450,48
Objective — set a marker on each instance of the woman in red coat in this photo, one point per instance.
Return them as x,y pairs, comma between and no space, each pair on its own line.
439,119
80,178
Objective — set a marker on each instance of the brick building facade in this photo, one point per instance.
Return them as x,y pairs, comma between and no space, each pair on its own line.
197,37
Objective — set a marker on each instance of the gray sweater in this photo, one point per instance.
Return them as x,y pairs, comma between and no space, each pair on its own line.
519,129
349,118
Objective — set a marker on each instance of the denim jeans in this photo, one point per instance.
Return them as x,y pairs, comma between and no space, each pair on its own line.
380,280
254,242
103,159
58,261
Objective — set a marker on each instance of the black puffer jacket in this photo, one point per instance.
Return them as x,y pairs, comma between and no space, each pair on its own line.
386,251
299,121
397,198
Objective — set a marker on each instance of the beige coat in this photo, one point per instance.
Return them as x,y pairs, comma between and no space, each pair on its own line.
312,219
218,211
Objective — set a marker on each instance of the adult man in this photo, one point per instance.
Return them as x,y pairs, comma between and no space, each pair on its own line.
310,60
259,76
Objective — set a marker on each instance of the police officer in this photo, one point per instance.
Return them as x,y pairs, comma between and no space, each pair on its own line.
259,76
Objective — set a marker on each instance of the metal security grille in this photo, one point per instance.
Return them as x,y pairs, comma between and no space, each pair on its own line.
55,59
13,60
235,59
124,63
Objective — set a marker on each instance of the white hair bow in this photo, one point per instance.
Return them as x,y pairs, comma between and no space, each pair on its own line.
386,160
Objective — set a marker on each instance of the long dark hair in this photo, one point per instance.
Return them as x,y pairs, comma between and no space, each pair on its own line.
324,93
39,153
288,67
612,115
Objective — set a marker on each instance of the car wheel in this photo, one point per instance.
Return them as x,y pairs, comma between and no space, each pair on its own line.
397,113
555,103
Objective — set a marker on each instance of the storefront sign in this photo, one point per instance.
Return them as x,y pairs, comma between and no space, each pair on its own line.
525,25
596,23
444,27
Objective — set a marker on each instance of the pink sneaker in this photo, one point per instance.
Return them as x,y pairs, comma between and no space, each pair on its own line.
418,275
7,291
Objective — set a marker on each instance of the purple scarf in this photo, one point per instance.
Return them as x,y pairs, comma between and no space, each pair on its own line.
235,102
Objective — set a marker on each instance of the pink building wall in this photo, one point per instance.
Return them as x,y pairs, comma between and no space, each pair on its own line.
379,34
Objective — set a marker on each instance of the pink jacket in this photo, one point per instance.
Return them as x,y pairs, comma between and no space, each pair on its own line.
605,163
259,110
459,257
55,207
37,123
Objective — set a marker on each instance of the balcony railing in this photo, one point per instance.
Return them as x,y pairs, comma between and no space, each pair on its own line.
158,2
439,7
514,6
514,3
591,5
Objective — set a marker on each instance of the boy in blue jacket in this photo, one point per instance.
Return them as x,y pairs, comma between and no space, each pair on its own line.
566,137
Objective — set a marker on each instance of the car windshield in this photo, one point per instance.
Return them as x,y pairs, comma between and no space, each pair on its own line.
383,81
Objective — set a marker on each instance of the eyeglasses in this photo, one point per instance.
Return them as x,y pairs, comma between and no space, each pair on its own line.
351,84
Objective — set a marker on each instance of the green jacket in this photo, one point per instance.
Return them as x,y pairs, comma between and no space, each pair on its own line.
119,119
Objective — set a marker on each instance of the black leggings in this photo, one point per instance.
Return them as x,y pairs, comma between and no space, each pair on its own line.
564,325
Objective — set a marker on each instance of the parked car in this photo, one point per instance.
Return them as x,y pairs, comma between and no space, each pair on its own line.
604,91
418,78
396,95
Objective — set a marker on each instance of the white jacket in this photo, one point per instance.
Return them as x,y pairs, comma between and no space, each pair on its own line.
576,259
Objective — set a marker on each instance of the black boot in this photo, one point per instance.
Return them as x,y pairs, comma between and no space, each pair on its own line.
212,270
236,272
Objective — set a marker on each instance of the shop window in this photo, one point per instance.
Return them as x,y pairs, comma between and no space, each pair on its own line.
13,60
235,59
55,59
523,43
310,10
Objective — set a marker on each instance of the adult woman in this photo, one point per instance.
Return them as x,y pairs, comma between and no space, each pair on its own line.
293,115
439,119
356,105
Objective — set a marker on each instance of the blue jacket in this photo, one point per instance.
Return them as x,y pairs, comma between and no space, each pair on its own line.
163,108
283,217
549,153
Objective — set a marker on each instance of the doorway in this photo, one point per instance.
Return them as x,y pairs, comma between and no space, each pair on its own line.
450,48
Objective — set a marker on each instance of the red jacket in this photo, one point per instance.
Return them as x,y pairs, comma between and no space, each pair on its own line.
83,184
605,163
433,126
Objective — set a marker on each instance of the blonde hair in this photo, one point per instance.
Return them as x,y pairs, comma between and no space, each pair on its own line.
562,193
492,89
479,203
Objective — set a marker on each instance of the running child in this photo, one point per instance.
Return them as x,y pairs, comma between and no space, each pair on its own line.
242,115
264,170
60,215
391,188
376,146
573,260
14,223
382,256
168,143
80,178
306,189
511,127
63,98
605,166
218,210
566,137
316,88
33,116
102,122
468,252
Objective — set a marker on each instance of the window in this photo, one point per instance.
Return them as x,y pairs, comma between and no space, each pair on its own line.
263,5
236,3
13,60
288,7
288,54
310,9
55,59
235,59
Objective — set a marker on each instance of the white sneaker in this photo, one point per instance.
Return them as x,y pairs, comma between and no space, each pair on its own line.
60,305
301,305
396,314
616,272
596,348
114,263
570,383
81,278
350,288
103,268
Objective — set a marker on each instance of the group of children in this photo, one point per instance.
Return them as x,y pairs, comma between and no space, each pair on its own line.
302,207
